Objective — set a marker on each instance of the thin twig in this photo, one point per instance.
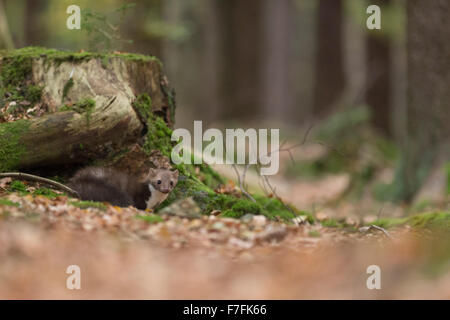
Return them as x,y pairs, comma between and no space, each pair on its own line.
30,177
372,226
241,186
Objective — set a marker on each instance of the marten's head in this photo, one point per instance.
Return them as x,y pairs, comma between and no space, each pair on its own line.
162,180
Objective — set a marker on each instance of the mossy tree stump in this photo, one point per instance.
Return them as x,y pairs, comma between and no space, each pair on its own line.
89,100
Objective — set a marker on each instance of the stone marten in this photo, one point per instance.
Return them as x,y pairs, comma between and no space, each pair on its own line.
109,185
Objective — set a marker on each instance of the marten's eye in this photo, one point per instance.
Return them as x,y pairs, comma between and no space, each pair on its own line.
159,182
171,183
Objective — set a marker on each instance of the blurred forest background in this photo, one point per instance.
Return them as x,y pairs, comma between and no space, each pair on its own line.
378,100
364,123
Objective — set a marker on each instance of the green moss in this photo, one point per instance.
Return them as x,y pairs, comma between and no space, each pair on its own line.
15,71
170,94
158,136
338,223
69,84
58,56
85,106
18,186
424,220
389,222
230,206
33,93
151,218
11,148
105,62
46,192
158,133
208,176
331,223
7,202
143,106
431,220
88,204
243,206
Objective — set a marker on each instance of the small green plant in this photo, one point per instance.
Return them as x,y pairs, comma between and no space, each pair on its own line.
151,218
85,106
7,202
18,186
88,204
46,192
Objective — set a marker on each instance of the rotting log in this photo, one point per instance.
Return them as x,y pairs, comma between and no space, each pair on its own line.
88,100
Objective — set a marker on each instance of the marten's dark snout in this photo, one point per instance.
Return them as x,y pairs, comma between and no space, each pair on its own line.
165,190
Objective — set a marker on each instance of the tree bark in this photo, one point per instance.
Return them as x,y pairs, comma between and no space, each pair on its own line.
428,93
378,94
330,79
241,34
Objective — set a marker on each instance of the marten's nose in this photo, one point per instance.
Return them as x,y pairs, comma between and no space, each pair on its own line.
165,190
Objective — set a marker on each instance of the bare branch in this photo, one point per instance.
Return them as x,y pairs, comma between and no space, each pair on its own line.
241,186
372,226
30,177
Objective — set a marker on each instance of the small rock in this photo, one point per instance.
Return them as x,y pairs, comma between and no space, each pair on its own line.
259,221
247,217
217,226
187,208
273,233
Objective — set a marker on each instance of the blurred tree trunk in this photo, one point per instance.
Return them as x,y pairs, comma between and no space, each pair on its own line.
330,78
428,95
137,28
5,36
35,31
277,93
378,93
241,33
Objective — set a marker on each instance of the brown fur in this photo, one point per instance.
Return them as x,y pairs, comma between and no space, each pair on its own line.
109,185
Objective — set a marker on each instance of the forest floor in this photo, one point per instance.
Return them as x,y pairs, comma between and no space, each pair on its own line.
127,253
124,253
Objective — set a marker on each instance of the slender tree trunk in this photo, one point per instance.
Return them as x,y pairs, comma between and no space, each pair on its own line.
379,75
330,79
35,31
428,95
5,35
277,93
240,28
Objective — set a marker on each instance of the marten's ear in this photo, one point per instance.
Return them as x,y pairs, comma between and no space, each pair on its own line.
151,173
175,174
